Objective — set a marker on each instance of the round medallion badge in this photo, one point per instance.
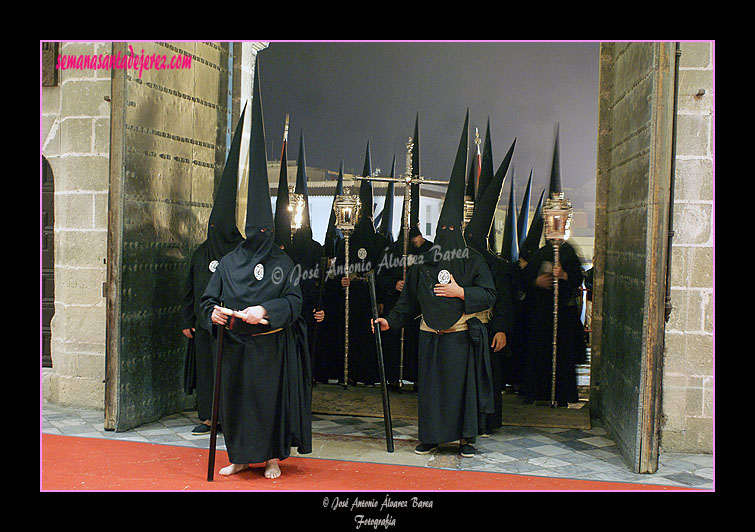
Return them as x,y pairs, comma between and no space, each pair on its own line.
444,277
213,266
259,272
362,253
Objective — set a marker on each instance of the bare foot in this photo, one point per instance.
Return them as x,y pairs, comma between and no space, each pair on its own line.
233,469
271,469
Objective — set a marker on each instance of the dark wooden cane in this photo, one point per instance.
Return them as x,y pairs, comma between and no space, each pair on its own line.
215,407
381,367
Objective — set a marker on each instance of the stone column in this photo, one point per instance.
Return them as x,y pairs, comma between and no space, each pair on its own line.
688,360
76,135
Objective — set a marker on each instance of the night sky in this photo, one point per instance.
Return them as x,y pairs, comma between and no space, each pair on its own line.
343,94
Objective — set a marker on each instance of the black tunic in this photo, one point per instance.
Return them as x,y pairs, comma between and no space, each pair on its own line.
306,254
538,316
501,321
365,247
454,368
199,366
391,271
265,396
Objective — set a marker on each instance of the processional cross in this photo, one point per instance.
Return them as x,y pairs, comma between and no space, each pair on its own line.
408,179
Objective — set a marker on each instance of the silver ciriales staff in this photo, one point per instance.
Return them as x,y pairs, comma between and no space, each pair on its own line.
557,214
347,213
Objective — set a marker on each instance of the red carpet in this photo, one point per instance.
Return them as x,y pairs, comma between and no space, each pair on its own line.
92,464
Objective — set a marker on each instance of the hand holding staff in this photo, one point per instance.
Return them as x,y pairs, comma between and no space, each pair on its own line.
381,366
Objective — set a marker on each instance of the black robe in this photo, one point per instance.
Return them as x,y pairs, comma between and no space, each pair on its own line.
501,321
514,363
538,327
306,254
365,247
453,368
265,396
327,358
199,365
391,271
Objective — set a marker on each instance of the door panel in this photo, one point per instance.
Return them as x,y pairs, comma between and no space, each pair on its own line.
168,147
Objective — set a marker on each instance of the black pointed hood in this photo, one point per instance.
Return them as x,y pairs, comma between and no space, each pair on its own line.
378,219
333,235
260,225
302,245
501,172
223,234
282,213
524,212
470,192
302,238
532,242
416,171
510,244
366,196
449,244
486,165
452,211
386,222
364,238
259,212
477,232
301,183
555,182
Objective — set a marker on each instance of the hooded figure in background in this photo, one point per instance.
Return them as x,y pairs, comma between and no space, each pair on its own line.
222,237
282,201
327,357
451,286
389,283
306,253
535,281
365,248
333,235
500,327
265,395
385,226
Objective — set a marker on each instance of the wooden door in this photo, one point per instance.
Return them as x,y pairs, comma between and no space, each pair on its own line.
48,260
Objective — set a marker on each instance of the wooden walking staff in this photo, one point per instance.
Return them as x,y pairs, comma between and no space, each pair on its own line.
557,214
408,179
215,406
381,366
347,213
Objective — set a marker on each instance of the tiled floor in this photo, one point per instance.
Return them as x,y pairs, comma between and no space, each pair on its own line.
558,453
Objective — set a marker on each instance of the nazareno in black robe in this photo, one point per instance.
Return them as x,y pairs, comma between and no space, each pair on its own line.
266,379
453,368
538,327
390,270
265,396
501,320
222,237
365,247
306,254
